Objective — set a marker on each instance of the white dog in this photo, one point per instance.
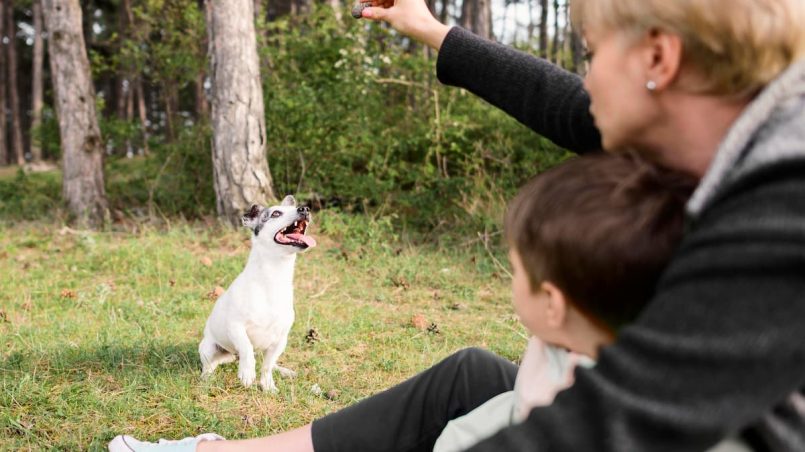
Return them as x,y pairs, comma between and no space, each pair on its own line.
256,312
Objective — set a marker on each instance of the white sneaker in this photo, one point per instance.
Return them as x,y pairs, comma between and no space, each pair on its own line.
126,443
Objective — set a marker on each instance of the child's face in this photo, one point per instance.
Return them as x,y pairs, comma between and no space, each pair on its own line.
532,306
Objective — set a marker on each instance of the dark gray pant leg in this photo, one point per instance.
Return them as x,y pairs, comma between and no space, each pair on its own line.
411,415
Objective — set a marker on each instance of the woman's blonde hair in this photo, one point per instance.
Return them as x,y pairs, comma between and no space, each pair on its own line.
737,46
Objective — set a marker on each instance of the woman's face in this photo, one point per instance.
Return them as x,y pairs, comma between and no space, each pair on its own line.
621,104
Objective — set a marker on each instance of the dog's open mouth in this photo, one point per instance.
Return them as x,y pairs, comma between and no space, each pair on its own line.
295,235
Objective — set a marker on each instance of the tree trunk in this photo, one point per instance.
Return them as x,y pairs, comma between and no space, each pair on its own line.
476,16
258,10
74,94
202,106
138,87
4,157
444,11
556,31
240,168
577,52
543,28
37,88
17,146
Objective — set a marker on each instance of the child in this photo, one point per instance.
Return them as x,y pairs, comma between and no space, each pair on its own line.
588,242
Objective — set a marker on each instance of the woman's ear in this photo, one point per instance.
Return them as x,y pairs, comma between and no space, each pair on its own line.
663,58
556,308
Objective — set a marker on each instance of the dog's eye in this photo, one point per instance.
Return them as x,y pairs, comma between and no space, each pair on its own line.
276,214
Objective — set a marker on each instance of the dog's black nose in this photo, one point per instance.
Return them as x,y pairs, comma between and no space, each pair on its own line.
304,210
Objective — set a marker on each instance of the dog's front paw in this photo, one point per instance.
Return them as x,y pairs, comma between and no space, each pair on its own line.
267,383
247,375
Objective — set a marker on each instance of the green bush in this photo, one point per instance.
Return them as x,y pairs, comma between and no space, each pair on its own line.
30,196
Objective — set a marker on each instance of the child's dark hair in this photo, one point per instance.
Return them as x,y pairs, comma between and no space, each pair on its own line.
602,228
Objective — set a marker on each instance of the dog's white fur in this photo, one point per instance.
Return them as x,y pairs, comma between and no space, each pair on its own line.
256,312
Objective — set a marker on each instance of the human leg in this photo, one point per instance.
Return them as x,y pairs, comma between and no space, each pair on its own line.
411,415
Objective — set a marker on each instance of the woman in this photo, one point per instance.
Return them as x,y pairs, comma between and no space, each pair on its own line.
715,88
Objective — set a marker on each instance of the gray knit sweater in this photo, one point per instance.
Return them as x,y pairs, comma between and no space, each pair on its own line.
720,350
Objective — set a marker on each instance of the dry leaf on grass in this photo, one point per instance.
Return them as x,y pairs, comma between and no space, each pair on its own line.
68,293
399,281
419,321
206,261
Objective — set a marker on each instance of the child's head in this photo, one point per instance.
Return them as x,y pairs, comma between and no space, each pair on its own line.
589,239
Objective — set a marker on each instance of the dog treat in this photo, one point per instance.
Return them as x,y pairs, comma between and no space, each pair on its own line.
357,10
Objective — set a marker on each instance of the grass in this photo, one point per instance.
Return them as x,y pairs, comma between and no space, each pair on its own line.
98,330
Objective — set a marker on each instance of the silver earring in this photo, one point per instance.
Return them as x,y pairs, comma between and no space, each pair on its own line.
651,85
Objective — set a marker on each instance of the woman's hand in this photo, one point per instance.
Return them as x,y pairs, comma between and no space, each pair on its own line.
411,18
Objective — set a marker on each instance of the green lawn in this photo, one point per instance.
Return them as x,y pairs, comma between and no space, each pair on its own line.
99,330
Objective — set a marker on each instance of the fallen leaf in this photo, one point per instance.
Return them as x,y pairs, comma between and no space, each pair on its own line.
332,394
3,316
171,282
399,281
312,336
68,293
434,329
206,261
419,322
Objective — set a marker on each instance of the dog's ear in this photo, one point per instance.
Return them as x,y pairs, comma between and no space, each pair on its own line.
289,201
249,219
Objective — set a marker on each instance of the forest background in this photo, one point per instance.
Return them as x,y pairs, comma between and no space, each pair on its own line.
354,115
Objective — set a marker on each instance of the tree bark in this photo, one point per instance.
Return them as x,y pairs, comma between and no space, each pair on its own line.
4,157
82,147
37,81
17,146
543,28
577,51
476,16
258,9
141,111
556,32
202,105
240,168
444,11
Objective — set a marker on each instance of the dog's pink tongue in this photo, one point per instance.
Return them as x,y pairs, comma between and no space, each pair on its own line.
306,239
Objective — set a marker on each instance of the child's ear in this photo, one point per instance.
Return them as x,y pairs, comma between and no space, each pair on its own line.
556,309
